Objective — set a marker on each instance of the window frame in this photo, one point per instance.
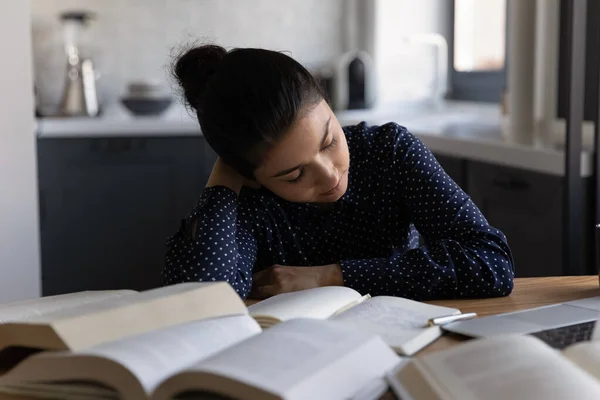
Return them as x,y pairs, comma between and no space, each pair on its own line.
478,86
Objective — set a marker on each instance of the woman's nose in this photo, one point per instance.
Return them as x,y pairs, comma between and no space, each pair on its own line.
329,177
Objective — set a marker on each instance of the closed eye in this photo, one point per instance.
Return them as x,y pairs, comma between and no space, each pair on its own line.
298,178
330,146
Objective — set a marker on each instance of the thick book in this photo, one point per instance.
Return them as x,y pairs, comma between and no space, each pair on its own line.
402,323
226,357
502,367
85,319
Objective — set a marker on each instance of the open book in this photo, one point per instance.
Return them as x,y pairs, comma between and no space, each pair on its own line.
402,323
81,320
503,367
225,357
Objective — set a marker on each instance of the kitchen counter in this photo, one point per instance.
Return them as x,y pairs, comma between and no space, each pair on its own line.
464,130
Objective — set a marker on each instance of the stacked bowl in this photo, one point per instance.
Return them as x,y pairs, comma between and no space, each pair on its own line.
146,98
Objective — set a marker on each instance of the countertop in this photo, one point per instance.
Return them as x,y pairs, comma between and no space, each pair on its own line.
467,130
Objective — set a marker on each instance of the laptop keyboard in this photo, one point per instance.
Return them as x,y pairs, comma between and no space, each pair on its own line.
559,338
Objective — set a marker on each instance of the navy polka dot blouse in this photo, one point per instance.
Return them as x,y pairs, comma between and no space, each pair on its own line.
403,228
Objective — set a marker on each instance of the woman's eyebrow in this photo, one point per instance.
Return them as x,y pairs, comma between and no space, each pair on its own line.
326,133
287,171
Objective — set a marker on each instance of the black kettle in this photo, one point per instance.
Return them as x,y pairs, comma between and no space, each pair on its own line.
353,83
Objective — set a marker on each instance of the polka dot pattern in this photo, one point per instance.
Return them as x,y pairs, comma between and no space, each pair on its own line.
403,228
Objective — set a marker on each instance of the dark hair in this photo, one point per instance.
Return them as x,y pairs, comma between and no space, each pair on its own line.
245,99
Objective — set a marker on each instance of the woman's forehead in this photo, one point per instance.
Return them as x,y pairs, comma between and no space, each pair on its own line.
301,142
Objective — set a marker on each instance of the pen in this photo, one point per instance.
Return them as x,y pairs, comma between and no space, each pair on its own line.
439,321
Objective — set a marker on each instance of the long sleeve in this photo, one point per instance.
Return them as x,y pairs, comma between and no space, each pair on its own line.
220,248
461,256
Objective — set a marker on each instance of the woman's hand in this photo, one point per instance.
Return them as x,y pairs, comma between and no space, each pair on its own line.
223,175
283,279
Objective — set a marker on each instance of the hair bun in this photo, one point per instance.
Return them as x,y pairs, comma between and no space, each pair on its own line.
194,69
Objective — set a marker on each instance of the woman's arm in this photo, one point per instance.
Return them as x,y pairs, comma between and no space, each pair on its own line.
462,255
215,243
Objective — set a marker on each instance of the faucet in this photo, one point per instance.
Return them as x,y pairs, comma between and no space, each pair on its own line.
439,41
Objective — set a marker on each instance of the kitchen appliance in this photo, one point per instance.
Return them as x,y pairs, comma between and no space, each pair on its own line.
79,96
146,98
353,82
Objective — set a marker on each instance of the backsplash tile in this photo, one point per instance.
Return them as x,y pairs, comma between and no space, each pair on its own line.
132,39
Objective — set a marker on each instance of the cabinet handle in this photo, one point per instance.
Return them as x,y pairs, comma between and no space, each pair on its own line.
118,145
511,184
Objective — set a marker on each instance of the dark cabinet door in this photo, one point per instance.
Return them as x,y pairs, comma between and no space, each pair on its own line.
108,205
528,208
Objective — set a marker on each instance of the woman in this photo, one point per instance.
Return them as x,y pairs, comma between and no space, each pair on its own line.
295,201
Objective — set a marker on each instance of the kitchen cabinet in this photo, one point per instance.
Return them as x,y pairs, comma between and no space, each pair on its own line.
528,208
107,205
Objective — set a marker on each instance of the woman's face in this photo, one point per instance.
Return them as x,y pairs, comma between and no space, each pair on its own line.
310,164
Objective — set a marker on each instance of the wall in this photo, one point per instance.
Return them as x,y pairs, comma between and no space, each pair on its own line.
407,72
131,39
19,239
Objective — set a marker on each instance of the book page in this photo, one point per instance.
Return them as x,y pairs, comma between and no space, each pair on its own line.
374,390
154,356
586,355
113,319
120,301
64,391
29,309
507,367
295,352
395,319
320,303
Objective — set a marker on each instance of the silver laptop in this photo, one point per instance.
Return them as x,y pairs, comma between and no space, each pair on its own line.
558,324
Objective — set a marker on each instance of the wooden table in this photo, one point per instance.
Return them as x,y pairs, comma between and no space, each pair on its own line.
528,293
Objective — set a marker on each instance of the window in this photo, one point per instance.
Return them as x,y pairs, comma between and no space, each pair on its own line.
478,50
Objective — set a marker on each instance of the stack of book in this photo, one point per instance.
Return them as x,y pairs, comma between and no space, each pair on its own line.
200,339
